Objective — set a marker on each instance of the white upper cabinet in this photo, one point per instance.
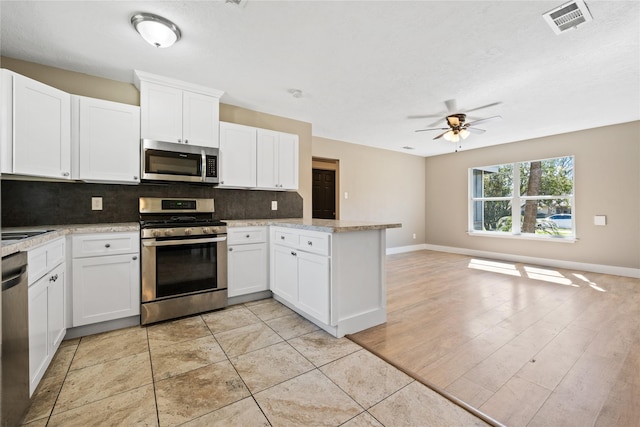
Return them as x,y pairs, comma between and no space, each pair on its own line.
277,160
197,126
237,155
36,139
257,158
179,112
105,140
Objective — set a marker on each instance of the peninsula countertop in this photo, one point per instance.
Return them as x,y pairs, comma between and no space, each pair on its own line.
324,225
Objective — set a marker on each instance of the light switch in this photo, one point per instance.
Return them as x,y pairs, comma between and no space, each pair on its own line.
600,220
346,195
96,203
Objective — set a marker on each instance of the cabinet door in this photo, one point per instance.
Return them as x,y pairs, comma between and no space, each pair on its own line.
288,161
38,333
237,155
267,149
56,312
200,119
313,285
41,129
284,273
247,269
105,288
108,141
161,113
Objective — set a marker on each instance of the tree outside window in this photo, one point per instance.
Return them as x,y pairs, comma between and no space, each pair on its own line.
540,205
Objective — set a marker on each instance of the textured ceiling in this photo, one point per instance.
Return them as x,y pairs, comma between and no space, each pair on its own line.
364,67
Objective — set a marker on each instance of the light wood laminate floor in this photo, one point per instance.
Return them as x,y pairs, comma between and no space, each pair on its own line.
527,345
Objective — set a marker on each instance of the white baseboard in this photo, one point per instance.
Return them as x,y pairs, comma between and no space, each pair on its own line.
557,263
403,249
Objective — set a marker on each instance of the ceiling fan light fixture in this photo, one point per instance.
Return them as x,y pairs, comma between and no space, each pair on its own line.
156,30
452,136
464,134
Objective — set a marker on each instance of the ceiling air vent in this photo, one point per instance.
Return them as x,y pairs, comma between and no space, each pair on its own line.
567,16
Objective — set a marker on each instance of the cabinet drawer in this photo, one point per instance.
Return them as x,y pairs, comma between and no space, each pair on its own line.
43,258
89,245
316,243
241,235
286,238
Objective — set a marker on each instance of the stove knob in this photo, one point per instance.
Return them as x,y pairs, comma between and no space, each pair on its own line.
187,231
156,233
168,232
206,230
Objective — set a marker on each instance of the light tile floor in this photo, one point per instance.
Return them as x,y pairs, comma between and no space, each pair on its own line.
254,364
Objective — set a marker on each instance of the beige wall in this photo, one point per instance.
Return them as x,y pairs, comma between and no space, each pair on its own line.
607,182
382,185
75,83
97,87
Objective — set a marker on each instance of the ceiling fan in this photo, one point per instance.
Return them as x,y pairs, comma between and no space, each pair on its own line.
458,127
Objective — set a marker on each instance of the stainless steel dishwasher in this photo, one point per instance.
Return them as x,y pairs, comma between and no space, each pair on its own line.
15,339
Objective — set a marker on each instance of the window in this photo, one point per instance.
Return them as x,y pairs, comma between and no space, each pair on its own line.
532,198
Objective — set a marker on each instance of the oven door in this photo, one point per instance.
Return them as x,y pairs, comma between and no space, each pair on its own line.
179,266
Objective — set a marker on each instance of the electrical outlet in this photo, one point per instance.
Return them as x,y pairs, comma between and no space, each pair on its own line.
96,203
274,205
346,195
414,236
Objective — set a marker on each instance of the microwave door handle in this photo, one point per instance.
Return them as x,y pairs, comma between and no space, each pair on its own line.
182,242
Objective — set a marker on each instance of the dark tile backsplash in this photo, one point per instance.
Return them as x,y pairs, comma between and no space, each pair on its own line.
31,203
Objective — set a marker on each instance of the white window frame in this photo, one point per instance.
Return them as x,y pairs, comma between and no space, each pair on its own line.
516,199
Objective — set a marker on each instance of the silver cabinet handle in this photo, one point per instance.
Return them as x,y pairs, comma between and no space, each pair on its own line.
135,258
153,242
293,253
107,245
53,278
65,173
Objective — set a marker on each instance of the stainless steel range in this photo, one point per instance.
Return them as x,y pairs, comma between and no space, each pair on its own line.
183,258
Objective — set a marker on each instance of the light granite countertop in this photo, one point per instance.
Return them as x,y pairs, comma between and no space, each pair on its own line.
325,225
61,230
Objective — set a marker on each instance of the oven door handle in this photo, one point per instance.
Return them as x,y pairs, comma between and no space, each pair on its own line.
182,242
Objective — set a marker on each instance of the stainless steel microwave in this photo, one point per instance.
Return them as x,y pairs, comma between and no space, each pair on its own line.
167,161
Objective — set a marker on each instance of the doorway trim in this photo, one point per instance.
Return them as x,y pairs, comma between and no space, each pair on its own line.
330,165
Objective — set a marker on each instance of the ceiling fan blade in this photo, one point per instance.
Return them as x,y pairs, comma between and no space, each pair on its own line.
475,130
484,106
424,116
451,105
422,130
441,135
441,120
488,119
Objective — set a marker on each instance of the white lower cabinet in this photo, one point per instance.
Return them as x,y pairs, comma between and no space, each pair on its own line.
313,285
300,270
247,261
46,297
106,277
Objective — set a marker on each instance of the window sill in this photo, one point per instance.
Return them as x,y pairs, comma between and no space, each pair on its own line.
500,235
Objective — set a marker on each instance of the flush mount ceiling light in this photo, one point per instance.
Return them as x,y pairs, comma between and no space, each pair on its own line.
156,30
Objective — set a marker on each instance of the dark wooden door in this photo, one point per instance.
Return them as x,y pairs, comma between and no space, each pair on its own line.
324,194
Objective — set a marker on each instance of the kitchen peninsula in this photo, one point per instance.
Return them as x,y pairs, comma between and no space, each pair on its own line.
330,272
